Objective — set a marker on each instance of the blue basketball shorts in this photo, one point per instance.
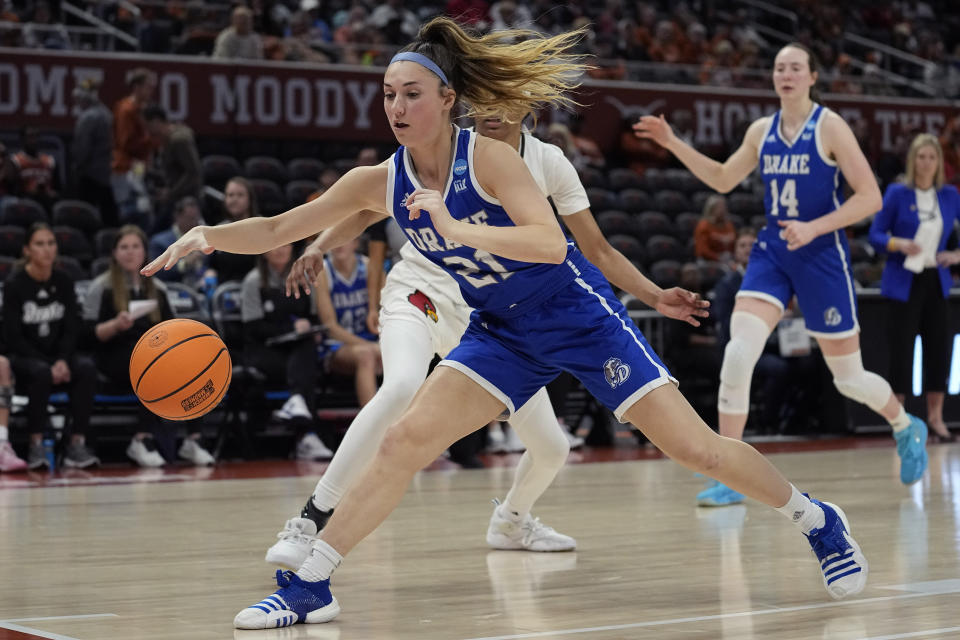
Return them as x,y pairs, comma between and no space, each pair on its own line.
819,275
583,329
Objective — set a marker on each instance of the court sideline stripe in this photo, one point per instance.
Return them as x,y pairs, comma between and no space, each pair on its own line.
915,634
721,616
11,625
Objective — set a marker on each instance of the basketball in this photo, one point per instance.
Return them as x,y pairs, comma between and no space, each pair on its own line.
180,369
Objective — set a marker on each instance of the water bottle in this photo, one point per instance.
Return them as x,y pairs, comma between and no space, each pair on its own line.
49,454
209,285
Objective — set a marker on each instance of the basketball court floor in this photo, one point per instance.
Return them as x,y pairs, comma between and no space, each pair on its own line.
176,553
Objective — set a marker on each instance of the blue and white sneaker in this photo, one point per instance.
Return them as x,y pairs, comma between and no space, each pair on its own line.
718,495
912,449
295,601
842,564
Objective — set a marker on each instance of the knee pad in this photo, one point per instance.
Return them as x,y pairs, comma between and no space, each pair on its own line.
856,383
748,334
6,396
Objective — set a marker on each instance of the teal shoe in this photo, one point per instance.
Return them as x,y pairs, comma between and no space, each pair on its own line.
912,449
718,495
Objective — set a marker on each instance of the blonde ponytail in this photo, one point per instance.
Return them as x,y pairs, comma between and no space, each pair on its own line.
503,74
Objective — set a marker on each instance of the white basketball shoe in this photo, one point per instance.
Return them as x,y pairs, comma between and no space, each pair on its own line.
293,544
529,534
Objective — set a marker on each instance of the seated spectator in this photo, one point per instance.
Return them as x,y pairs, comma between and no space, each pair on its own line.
297,45
668,45
41,324
640,154
116,327
950,143
326,179
239,203
7,174
507,14
33,173
9,461
692,348
189,270
781,381
714,235
696,47
473,13
393,11
179,160
92,151
132,149
41,32
268,312
239,40
319,28
559,135
342,303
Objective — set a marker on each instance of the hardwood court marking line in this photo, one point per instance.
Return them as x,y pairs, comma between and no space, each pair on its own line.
722,616
915,634
37,633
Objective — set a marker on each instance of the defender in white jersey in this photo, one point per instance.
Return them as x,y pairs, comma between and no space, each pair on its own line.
548,309
422,313
805,153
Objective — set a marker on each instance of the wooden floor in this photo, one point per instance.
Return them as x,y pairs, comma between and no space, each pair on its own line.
164,560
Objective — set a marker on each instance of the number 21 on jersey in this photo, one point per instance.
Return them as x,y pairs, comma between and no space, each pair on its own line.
785,196
470,271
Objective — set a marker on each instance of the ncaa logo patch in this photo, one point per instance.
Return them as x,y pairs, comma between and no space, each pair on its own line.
459,167
832,317
616,372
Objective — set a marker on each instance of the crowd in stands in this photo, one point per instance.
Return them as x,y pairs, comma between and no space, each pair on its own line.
704,42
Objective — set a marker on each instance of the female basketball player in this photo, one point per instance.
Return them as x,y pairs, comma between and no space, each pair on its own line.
541,306
424,313
804,151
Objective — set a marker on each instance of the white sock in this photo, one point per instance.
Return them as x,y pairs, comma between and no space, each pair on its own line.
324,499
901,422
321,563
510,512
4,433
802,512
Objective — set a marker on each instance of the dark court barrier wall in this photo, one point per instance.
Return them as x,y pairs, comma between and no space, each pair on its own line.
875,348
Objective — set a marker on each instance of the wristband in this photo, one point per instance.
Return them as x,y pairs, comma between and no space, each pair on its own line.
892,244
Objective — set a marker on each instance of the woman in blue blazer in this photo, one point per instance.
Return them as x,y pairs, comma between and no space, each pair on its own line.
913,228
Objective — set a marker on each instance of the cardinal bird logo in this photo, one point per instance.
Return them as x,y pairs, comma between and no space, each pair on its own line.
425,304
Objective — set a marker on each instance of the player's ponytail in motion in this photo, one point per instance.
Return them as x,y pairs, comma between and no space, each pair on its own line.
505,73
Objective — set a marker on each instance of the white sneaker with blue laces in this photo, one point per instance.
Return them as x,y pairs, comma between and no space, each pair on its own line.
842,564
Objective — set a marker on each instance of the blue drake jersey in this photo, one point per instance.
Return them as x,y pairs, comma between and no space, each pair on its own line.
349,296
488,282
800,181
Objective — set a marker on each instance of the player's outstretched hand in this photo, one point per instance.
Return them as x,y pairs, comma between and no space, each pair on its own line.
193,240
681,304
430,201
654,128
796,233
304,272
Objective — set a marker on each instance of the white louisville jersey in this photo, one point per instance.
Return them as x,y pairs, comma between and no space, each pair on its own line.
557,179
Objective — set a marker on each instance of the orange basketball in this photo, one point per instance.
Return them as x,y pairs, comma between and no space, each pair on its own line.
180,369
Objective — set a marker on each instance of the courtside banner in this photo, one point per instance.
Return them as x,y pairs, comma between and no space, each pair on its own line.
339,102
